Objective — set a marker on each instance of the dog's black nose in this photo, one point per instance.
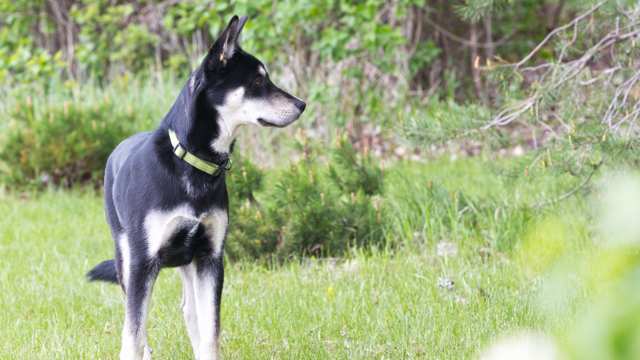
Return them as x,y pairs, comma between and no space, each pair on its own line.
300,105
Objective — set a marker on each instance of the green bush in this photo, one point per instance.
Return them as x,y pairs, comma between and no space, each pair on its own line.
245,179
62,134
60,142
353,173
250,235
308,209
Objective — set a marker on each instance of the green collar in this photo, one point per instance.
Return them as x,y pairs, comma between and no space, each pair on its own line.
202,165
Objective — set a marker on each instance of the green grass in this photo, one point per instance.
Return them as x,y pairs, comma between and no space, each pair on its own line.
382,304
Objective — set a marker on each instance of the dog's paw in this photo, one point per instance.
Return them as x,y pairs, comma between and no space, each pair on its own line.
142,354
147,353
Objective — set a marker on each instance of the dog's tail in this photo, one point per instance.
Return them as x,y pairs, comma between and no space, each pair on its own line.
105,271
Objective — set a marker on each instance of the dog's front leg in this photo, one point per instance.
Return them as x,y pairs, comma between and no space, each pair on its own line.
138,295
188,274
208,291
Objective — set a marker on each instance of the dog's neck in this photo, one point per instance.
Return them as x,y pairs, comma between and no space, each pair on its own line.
199,128
223,142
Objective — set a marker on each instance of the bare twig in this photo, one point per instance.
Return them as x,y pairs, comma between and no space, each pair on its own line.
465,42
558,30
560,74
619,102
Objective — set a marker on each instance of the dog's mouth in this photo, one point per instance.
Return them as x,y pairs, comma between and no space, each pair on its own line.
266,123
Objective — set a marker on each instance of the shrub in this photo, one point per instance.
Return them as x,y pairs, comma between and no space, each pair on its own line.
317,217
60,142
249,235
62,134
353,173
309,209
245,179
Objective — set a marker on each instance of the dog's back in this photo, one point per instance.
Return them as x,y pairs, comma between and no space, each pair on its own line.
122,152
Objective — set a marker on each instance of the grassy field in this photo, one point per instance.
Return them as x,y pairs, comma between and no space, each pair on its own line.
408,301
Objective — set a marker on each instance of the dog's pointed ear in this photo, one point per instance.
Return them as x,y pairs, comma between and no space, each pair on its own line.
227,44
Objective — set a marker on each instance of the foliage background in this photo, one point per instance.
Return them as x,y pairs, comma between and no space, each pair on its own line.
397,76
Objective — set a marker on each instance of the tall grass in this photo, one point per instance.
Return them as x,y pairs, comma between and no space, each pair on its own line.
482,199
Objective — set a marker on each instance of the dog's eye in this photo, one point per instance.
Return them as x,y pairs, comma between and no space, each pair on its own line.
259,81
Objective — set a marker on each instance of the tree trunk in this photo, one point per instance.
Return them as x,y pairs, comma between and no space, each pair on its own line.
475,62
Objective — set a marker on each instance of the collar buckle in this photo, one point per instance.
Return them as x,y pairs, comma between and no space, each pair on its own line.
224,167
179,151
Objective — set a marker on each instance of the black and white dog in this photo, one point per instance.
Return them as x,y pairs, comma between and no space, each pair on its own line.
165,193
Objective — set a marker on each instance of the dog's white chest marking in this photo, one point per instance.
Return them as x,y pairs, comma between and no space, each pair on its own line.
160,224
156,226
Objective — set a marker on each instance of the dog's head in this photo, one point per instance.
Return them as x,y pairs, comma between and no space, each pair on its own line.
239,88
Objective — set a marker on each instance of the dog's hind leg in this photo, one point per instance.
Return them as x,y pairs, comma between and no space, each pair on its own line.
188,274
141,277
